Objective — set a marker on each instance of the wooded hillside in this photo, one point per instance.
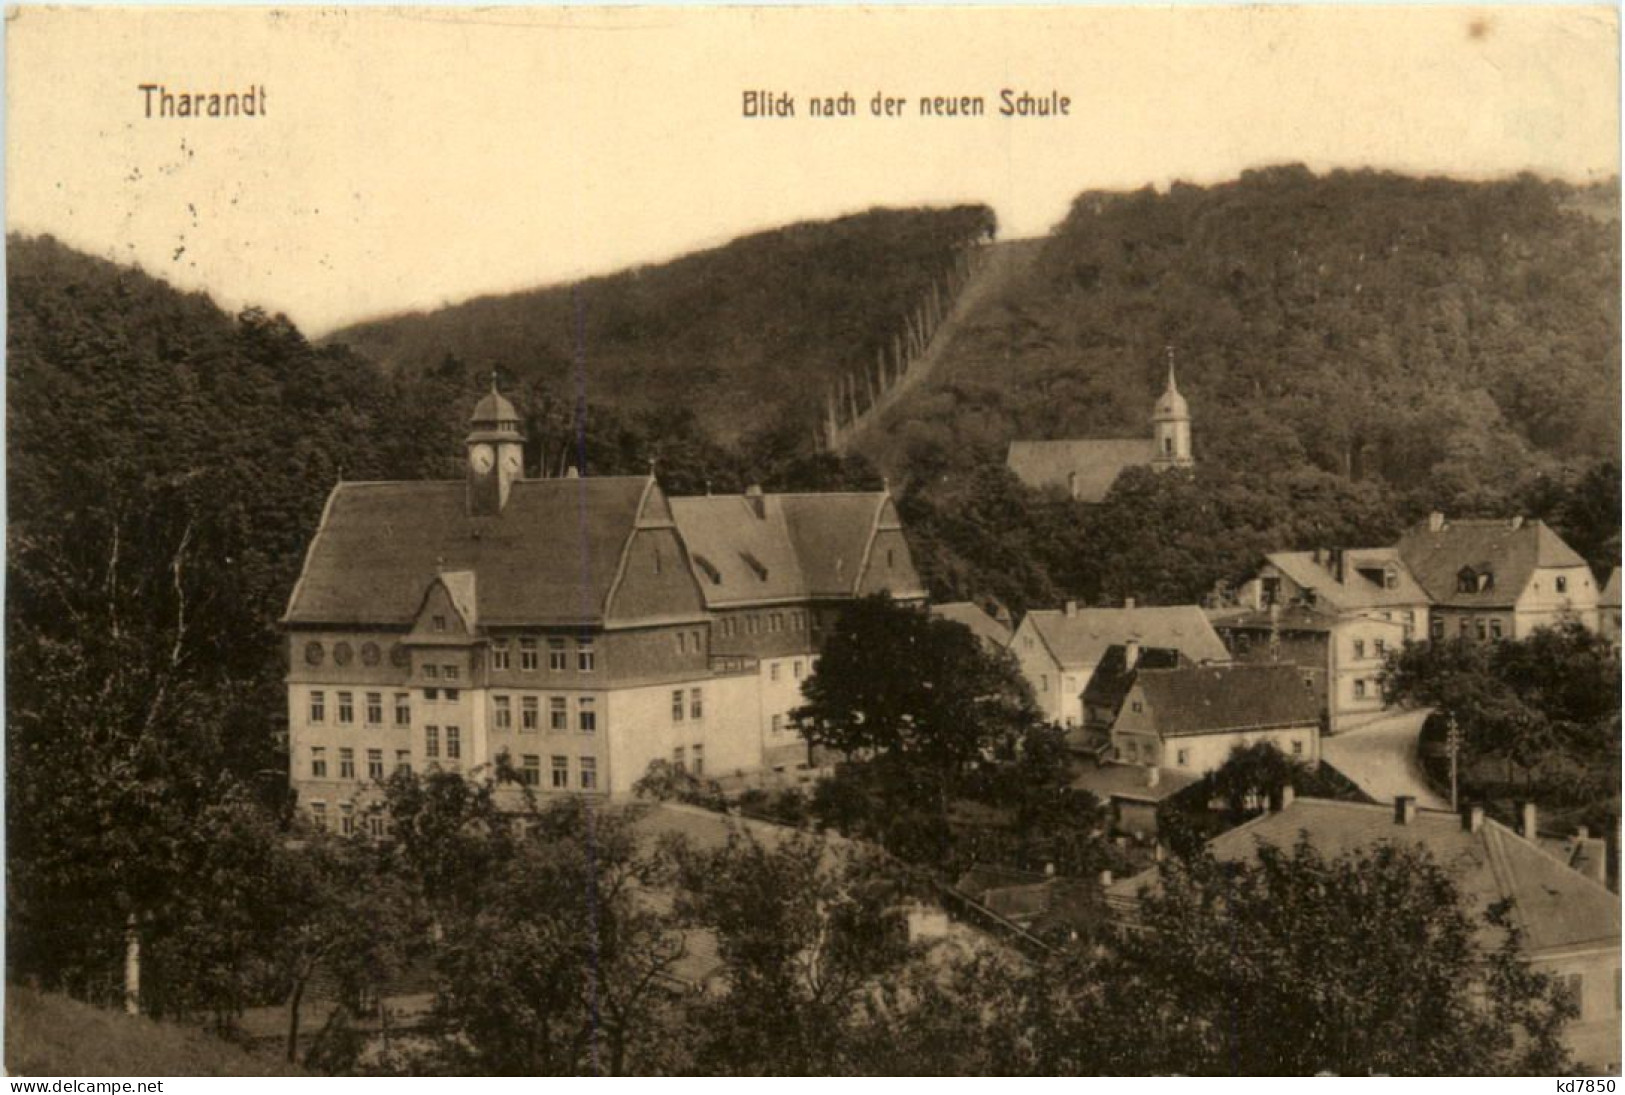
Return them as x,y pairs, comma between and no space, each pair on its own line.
745,336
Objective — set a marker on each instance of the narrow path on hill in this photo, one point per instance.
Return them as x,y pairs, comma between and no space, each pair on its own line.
1002,264
1380,757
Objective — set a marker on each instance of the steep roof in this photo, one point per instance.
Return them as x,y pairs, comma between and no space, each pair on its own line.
1510,551
739,556
1556,906
1213,699
548,559
983,626
1355,591
1082,638
798,546
1096,462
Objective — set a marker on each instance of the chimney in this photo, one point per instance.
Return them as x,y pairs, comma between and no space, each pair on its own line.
1285,797
1072,485
1435,521
1339,565
1131,653
1153,775
1071,609
1473,819
753,499
1517,522
1159,851
1128,603
1105,879
1582,834
1527,818
1404,809
1049,870
571,472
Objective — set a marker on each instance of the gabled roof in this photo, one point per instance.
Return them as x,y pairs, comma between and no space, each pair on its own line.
1217,699
1113,677
738,556
983,626
1096,463
1081,639
799,546
1557,907
1355,591
1509,550
548,559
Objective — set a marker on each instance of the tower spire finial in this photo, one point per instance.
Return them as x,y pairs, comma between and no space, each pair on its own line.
1169,349
493,378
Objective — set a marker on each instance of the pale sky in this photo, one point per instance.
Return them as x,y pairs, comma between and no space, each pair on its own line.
412,158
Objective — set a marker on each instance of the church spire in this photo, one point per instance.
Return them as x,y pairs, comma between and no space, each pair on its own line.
1171,425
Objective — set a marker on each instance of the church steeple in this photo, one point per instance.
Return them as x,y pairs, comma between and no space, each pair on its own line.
496,452
1171,425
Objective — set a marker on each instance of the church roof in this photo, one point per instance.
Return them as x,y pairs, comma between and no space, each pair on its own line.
548,559
1509,552
1556,906
1081,638
1095,462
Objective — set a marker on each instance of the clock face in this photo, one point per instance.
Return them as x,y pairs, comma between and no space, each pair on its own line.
511,461
480,458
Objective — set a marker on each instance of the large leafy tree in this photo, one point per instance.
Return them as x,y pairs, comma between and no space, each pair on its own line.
1298,963
923,691
806,931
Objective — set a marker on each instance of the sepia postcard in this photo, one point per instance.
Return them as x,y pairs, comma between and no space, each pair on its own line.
812,541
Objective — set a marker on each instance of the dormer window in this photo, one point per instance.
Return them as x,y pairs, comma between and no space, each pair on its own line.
1390,578
1469,580
440,623
709,568
755,565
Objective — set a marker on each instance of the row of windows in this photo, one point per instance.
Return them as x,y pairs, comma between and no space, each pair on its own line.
691,759
558,655
375,762
530,771
1484,629
374,820
439,672
1379,648
558,713
372,710
431,742
1132,752
695,706
773,670
763,623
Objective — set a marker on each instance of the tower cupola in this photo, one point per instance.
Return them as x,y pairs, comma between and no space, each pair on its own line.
1171,426
496,452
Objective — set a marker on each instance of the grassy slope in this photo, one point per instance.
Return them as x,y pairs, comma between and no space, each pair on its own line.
49,1035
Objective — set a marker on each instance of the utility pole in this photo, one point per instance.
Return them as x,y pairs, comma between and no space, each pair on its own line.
1453,744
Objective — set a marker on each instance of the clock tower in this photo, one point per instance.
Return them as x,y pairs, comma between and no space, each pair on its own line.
496,453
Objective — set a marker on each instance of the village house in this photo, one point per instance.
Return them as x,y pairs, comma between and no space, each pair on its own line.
1188,719
1570,922
1086,468
993,631
1341,656
1494,579
1058,649
583,626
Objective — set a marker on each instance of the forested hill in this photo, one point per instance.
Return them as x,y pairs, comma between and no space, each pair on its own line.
1435,335
746,336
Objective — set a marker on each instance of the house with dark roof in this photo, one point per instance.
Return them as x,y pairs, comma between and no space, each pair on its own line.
1188,719
584,626
1086,468
1493,579
1570,922
1058,649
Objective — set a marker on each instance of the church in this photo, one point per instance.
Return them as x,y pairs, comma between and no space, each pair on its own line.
1086,468
584,626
